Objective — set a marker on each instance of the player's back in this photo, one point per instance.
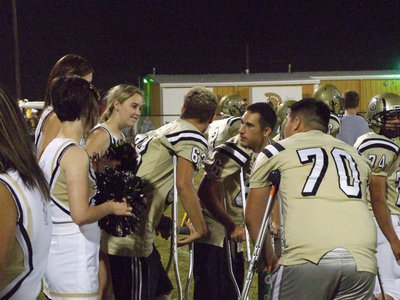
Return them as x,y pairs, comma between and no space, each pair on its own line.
383,154
323,190
156,149
222,130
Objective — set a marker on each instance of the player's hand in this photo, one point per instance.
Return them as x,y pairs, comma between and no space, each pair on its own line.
272,263
274,228
193,235
396,248
238,234
120,208
164,227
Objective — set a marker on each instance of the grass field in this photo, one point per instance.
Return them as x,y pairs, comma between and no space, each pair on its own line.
163,247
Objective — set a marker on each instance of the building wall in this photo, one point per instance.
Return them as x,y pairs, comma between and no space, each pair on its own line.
370,88
366,88
155,103
308,90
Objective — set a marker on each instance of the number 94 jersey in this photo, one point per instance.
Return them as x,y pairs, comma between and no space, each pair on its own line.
323,191
384,156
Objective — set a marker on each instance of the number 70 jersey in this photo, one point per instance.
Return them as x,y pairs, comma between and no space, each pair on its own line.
323,190
320,166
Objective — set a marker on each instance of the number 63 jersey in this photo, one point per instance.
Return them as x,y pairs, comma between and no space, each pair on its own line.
323,190
155,150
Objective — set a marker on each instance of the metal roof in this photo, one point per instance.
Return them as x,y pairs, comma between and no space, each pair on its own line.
366,74
255,79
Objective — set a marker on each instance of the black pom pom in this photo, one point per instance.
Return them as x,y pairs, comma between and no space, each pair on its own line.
118,182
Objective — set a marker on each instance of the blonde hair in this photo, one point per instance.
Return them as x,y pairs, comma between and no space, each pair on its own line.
120,93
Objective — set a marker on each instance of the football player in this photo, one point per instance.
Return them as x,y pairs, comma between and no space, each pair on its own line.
137,272
331,96
220,193
329,232
383,115
281,113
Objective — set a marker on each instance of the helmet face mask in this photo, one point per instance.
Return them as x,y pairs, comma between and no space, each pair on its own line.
384,114
391,124
337,104
233,105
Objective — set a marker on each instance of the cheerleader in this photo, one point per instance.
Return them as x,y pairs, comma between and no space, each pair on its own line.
73,259
124,105
25,224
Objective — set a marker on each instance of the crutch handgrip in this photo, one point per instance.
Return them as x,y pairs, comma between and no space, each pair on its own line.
183,230
275,178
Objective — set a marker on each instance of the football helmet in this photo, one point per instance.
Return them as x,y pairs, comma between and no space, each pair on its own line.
274,100
281,113
380,108
232,105
331,96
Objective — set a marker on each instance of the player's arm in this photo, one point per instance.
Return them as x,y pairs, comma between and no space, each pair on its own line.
75,164
256,205
8,225
377,188
210,195
189,199
49,132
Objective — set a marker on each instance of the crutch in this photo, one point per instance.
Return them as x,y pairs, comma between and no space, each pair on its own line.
228,244
184,230
274,177
243,191
380,285
190,271
174,235
180,230
280,242
230,265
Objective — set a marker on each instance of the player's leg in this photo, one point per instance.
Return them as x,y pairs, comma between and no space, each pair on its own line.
389,268
121,274
155,281
211,274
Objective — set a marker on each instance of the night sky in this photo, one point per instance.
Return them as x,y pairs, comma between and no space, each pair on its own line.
126,39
